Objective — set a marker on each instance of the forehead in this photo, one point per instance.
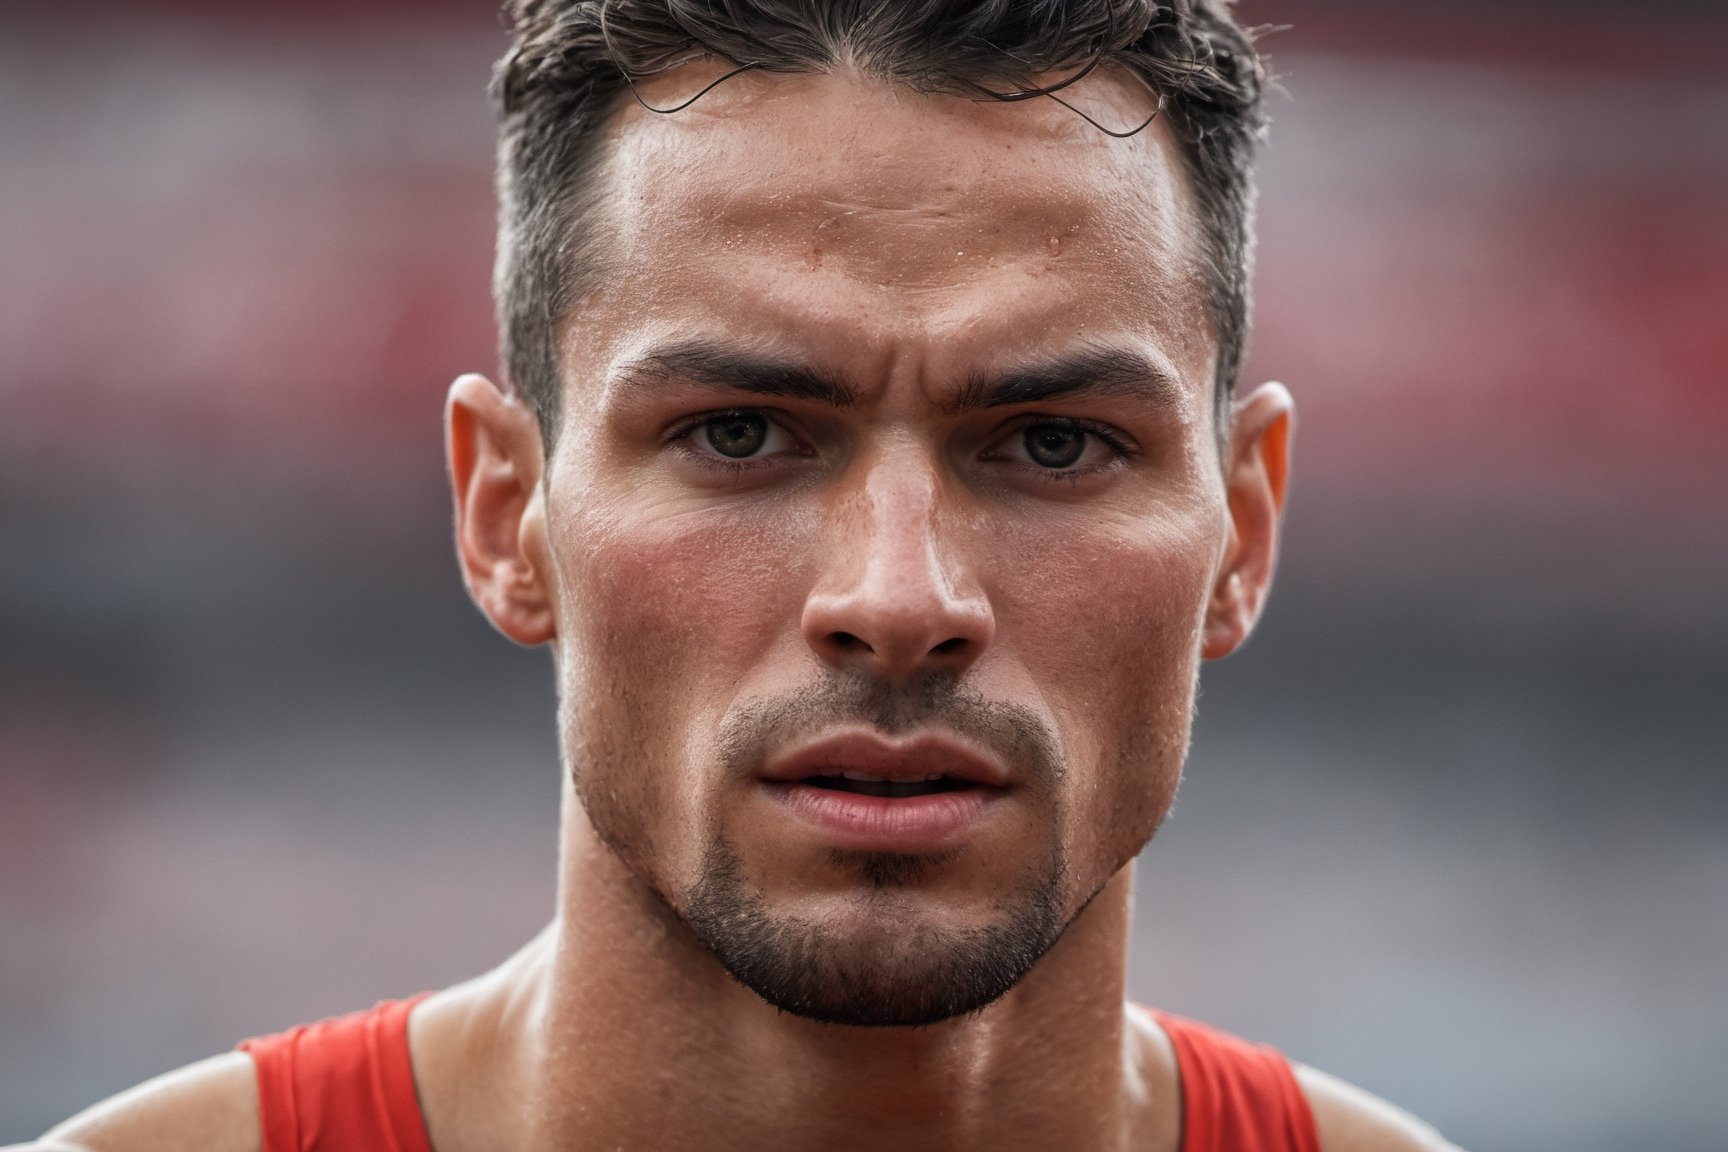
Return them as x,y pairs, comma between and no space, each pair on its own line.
840,210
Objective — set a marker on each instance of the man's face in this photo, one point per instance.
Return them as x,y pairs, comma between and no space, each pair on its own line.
887,449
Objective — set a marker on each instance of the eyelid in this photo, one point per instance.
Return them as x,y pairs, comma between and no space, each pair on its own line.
1120,444
680,434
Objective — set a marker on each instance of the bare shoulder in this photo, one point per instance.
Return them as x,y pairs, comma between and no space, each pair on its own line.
210,1106
1351,1120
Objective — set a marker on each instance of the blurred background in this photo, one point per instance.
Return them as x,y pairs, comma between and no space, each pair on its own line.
1456,824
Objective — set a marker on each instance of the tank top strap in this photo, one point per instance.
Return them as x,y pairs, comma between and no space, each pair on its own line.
341,1085
1237,1096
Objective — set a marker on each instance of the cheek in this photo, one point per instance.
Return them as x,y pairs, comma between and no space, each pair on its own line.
1110,630
662,615
684,601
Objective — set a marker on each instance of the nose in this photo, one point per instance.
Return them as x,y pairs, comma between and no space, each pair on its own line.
893,598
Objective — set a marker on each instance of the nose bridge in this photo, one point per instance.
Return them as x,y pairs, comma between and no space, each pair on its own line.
901,555
895,592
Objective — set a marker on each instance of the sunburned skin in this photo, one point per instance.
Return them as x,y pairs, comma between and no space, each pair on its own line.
858,239
901,244
887,446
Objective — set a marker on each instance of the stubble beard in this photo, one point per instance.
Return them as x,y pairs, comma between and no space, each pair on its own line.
883,961
893,969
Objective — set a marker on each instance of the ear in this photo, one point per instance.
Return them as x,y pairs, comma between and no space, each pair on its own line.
493,442
1257,469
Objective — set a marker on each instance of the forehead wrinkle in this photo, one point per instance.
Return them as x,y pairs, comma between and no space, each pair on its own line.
836,148
727,204
853,330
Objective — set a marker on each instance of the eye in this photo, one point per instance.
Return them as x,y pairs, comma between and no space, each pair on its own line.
1054,445
1062,446
737,436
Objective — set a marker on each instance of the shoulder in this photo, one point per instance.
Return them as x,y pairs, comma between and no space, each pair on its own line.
1351,1120
1346,1119
211,1106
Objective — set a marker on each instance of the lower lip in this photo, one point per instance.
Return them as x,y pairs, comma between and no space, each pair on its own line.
888,824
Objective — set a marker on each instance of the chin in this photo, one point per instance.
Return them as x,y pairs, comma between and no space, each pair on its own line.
886,954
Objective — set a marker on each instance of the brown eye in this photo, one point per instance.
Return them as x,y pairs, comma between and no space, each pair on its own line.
737,435
1054,445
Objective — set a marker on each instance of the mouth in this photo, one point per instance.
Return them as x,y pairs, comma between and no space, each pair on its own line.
859,784
861,791
868,764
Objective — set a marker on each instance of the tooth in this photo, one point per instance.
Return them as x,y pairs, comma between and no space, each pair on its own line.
862,777
934,776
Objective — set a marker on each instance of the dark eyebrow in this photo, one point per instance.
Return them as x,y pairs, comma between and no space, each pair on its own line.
1089,371
718,366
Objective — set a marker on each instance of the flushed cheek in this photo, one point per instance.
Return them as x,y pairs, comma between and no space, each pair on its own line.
1109,627
663,617
687,601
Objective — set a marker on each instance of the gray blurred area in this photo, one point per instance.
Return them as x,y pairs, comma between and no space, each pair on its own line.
1454,823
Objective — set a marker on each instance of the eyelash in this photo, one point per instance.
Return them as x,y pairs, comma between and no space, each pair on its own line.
679,439
1120,448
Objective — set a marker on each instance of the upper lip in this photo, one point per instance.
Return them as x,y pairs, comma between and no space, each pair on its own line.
910,758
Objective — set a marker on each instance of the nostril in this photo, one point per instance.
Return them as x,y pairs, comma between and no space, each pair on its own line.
952,644
847,641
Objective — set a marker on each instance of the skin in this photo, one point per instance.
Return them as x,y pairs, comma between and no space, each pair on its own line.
908,244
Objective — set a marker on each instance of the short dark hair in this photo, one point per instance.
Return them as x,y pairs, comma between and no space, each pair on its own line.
570,63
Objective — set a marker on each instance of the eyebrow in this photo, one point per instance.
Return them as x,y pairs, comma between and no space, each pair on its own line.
717,366
1086,372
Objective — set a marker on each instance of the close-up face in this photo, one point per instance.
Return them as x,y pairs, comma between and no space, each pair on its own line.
881,524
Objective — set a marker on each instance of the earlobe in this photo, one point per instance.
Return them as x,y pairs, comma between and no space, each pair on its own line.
1256,478
493,443
1228,619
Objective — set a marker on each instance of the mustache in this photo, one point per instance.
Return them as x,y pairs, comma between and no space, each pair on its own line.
1016,734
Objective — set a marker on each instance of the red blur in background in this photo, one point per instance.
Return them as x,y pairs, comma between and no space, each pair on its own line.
255,747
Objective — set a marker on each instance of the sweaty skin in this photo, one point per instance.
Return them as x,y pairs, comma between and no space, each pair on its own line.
887,528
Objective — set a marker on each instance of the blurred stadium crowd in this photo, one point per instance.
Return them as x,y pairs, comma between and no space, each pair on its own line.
1454,822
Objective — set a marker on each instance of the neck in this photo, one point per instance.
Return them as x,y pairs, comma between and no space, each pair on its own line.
630,1034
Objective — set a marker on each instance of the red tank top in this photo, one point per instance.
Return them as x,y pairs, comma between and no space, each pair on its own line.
342,1085
346,1085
